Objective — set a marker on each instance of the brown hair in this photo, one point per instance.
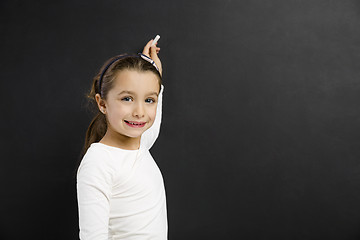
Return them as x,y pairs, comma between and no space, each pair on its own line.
107,73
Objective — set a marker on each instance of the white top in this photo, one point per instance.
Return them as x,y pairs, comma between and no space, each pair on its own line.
121,193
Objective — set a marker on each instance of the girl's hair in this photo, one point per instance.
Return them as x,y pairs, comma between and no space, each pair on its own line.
103,82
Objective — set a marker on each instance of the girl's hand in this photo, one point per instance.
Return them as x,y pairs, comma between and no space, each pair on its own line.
151,52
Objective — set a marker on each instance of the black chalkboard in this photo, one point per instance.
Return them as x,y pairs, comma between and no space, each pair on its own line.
261,126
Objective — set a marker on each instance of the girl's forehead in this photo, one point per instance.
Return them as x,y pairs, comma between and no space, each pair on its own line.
136,81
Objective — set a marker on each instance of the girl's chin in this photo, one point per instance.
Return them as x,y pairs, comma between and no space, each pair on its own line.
135,133
131,132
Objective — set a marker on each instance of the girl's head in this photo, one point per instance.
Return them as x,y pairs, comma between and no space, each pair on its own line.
125,91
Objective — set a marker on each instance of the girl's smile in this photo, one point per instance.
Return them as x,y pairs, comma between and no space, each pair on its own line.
135,124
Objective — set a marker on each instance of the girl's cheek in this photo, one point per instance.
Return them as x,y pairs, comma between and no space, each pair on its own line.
153,114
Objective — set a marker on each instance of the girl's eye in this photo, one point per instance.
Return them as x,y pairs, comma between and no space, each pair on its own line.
150,100
126,99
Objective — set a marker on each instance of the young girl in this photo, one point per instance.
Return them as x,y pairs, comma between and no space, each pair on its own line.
120,189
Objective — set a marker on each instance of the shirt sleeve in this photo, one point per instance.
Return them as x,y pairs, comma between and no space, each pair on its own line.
149,137
94,181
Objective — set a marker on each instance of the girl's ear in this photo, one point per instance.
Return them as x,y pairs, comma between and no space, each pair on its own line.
101,103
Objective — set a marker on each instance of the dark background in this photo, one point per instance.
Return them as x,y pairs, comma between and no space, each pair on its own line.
261,128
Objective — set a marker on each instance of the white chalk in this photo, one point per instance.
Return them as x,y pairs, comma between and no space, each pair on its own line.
155,40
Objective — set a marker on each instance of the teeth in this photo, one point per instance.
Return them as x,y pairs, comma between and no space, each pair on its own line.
132,123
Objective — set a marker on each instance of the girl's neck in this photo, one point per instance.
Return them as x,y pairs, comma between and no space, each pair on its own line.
120,141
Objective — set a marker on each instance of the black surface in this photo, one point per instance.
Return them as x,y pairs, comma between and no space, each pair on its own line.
260,134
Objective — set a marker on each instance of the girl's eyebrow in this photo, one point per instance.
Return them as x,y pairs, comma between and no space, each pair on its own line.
125,91
153,93
133,93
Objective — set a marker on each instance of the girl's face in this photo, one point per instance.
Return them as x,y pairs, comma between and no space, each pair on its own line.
131,103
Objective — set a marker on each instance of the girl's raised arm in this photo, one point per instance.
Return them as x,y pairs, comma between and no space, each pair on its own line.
149,136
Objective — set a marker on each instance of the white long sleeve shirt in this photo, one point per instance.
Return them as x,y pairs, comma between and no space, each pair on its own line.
121,193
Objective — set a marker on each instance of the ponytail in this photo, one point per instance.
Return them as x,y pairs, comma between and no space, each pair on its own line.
95,131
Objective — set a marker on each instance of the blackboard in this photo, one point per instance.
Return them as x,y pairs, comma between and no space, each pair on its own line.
261,126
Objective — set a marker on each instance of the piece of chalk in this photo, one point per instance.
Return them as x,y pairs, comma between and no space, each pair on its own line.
155,40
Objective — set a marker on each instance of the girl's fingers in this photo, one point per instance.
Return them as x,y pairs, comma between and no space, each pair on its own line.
146,50
151,52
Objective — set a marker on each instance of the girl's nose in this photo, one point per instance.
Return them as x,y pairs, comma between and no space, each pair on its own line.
139,111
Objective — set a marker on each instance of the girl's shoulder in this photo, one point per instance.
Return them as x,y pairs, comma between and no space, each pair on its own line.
103,158
105,154
96,151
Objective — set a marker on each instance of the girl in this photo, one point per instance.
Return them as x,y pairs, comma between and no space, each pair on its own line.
120,189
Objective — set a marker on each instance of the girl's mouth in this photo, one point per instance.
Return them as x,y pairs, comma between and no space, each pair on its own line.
135,124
